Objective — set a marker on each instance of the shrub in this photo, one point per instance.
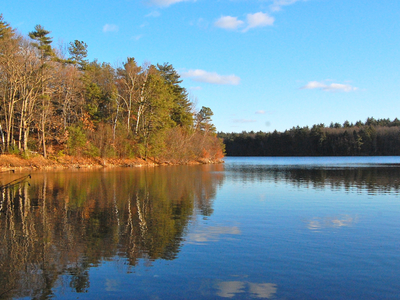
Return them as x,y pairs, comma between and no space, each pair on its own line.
76,140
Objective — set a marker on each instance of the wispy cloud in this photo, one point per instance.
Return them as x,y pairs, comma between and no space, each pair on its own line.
110,28
259,19
201,23
165,3
153,14
228,22
260,112
137,37
332,87
211,77
277,4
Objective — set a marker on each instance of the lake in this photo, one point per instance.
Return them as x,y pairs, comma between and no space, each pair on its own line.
252,228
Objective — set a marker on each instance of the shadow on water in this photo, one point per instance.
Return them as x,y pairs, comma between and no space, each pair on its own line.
66,222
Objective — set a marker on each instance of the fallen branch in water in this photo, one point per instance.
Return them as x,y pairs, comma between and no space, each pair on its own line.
15,182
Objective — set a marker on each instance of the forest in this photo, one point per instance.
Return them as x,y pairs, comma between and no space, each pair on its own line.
55,102
372,137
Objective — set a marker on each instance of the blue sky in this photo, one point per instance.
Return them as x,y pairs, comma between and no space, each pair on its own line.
258,64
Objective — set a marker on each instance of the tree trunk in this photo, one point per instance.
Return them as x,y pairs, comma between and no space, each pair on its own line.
25,139
2,139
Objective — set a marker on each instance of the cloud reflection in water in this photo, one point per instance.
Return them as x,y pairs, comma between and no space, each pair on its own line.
228,289
331,222
211,234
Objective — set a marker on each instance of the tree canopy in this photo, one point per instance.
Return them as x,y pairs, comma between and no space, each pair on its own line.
59,105
372,137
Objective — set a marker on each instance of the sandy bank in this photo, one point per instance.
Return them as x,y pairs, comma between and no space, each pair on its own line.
38,162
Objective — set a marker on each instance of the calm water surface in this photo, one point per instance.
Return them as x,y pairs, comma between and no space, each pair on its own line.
262,228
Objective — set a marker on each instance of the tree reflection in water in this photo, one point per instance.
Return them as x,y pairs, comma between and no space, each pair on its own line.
66,222
374,180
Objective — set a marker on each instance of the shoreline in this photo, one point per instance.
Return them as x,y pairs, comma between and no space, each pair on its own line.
12,162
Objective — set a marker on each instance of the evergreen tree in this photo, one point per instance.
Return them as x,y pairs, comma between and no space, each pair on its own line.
203,120
42,42
6,32
78,53
181,112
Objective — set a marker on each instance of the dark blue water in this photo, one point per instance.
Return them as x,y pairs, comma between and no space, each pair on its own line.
263,228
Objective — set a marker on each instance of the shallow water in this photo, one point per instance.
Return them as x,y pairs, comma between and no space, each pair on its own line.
264,228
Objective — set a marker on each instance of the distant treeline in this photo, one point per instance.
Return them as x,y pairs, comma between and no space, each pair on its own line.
55,102
373,137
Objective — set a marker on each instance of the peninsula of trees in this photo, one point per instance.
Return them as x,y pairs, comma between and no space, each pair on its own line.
56,103
372,137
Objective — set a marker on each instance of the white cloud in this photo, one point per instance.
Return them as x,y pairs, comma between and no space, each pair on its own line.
259,19
340,87
333,87
314,85
110,28
211,77
228,22
165,3
277,4
260,112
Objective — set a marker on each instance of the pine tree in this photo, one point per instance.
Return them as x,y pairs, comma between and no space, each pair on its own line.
181,113
6,32
78,53
42,42
203,120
